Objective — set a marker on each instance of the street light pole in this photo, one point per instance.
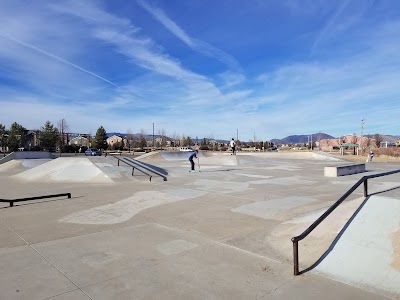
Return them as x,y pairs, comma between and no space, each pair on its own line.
361,142
153,136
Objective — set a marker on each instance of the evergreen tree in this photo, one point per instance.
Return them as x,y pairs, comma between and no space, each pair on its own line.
142,141
100,140
16,137
3,136
48,136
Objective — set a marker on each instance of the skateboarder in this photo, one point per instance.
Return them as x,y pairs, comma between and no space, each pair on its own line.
193,155
233,146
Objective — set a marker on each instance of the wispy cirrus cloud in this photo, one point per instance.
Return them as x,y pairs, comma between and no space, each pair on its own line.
193,43
55,57
339,22
100,61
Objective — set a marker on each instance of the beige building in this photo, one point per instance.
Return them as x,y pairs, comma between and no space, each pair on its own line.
114,140
80,141
333,144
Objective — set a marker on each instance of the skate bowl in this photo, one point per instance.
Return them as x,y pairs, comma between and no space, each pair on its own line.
178,155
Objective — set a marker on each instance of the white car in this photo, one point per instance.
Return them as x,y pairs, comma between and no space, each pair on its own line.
186,149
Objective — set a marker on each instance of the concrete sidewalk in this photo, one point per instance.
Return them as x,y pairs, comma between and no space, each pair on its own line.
219,234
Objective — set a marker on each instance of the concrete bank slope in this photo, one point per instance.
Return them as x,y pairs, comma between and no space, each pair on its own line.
367,254
16,166
65,169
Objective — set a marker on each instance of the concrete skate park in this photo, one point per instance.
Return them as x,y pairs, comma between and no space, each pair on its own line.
222,233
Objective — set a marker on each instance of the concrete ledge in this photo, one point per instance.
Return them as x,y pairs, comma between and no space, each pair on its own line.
336,171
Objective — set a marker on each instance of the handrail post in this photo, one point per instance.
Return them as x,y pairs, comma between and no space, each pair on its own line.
296,257
366,188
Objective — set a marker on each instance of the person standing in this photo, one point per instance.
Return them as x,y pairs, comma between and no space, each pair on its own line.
233,146
191,157
371,156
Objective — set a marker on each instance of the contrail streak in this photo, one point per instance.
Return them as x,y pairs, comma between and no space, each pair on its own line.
58,59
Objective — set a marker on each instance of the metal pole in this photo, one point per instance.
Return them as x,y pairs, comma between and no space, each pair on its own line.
153,136
366,188
296,258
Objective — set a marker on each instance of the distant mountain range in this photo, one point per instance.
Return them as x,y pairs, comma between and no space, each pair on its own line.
291,139
301,139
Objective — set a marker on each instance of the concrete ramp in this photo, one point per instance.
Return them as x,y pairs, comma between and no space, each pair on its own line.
65,169
16,166
367,255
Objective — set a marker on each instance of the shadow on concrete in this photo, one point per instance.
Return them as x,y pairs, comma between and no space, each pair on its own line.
158,169
37,202
213,171
388,190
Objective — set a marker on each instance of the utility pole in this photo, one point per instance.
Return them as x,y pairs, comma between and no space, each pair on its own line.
153,136
237,134
362,142
62,135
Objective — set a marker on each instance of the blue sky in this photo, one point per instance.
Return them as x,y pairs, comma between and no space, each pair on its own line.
202,68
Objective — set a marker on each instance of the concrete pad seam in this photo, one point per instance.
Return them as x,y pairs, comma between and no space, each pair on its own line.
30,246
200,249
92,233
216,242
6,225
167,260
277,288
51,264
78,289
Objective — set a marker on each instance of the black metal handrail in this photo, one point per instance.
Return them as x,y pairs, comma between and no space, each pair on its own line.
139,166
11,201
306,232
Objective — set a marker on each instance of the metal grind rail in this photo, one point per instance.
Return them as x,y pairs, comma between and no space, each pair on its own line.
139,166
11,201
306,232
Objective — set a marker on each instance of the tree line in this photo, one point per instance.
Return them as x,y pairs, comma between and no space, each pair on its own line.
56,138
48,138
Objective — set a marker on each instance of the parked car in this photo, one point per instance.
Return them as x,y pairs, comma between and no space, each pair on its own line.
186,149
93,152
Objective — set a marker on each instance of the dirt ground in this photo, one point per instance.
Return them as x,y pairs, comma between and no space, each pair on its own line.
363,158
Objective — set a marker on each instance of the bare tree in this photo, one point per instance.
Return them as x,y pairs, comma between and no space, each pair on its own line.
162,132
130,138
63,129
354,138
378,139
368,141
175,139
